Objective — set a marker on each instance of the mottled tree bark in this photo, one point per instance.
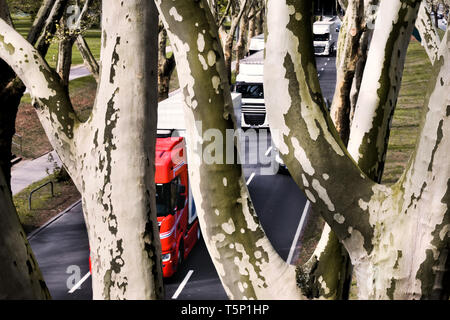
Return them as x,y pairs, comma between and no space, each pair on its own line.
12,88
110,157
381,83
166,66
20,276
247,264
395,253
40,20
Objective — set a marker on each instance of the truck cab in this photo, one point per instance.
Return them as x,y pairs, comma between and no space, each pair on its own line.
325,36
177,218
249,83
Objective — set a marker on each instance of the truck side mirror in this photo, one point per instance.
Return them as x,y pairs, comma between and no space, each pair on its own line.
181,198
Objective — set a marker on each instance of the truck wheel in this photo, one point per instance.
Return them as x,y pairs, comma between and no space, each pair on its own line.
180,255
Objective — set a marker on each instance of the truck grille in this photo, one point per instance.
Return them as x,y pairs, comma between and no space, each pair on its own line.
255,119
319,49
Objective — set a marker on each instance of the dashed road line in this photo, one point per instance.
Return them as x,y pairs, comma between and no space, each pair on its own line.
78,285
251,178
182,284
298,232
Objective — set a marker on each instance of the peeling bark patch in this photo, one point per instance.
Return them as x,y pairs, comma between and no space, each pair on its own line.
439,136
108,142
114,61
8,46
390,291
434,272
59,108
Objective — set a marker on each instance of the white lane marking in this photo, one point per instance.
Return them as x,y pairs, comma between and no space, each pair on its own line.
78,285
325,63
321,69
268,151
182,284
328,59
251,178
297,233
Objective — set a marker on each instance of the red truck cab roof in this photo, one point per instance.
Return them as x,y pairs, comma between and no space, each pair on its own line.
169,158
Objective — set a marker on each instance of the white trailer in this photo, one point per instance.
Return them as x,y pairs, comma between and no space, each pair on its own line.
171,118
326,34
256,44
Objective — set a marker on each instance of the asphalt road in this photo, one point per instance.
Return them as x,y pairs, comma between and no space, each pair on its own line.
62,248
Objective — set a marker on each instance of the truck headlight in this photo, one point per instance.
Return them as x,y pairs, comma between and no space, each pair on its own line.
166,257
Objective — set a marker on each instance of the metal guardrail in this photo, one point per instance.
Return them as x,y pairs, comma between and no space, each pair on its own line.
38,188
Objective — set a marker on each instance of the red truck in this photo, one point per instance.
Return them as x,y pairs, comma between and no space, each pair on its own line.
179,229
177,218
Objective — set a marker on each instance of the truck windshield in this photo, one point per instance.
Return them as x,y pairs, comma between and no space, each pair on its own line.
322,37
165,198
251,90
162,199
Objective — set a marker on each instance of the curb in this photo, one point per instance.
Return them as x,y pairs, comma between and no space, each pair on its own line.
59,215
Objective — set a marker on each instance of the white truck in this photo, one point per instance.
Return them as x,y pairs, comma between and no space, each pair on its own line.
256,44
249,83
326,34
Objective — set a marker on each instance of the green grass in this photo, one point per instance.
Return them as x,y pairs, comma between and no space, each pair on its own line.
38,200
93,39
405,125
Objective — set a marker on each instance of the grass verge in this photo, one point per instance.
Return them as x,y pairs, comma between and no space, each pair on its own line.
44,206
92,37
405,124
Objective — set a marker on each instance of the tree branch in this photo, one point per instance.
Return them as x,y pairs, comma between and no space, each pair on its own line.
40,21
380,85
302,128
428,32
49,96
43,43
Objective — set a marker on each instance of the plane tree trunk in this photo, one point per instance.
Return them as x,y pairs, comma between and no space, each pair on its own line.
381,84
110,157
20,275
247,264
428,32
397,237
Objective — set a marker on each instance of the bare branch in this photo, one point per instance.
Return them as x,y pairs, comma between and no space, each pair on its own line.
380,86
49,96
